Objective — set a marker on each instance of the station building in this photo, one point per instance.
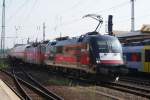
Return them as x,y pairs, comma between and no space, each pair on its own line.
137,36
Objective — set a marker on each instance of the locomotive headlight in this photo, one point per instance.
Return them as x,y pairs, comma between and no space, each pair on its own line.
98,60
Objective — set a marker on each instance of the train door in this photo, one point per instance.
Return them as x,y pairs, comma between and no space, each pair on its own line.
146,59
42,53
52,55
39,54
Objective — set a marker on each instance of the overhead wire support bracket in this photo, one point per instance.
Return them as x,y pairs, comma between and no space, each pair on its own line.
96,17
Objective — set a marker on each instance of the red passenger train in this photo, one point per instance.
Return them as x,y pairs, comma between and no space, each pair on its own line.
92,53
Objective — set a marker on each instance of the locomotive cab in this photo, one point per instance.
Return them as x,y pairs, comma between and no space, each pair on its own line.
105,53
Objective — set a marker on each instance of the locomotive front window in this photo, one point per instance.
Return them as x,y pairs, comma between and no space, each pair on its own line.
102,46
115,46
111,45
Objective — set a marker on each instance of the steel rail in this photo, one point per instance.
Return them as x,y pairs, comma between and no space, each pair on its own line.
106,94
127,88
139,91
31,87
140,81
23,95
21,89
43,88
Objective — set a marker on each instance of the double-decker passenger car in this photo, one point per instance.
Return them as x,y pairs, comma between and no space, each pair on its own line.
137,57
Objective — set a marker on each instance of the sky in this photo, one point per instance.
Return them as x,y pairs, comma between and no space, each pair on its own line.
25,18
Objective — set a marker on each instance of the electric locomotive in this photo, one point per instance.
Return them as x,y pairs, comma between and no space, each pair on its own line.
91,52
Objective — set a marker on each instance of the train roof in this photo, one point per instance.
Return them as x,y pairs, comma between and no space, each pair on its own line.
80,39
67,42
128,49
20,47
105,37
36,44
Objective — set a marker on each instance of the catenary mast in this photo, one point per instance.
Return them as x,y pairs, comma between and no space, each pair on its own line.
132,16
3,30
44,31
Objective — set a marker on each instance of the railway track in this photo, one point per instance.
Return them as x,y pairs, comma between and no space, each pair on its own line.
53,95
136,90
120,86
137,81
21,75
105,95
123,86
31,90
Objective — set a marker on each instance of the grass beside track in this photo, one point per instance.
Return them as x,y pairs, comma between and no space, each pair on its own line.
60,82
3,64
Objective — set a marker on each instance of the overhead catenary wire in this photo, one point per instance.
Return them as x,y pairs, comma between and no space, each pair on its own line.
69,21
31,9
27,19
72,21
19,9
114,7
72,7
104,10
75,20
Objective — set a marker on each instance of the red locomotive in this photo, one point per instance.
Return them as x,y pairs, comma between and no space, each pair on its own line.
91,52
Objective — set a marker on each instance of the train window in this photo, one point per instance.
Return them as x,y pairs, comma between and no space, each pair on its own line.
53,49
146,42
47,49
115,45
28,46
147,57
109,46
102,46
53,43
127,56
81,38
59,49
102,43
72,50
135,57
43,49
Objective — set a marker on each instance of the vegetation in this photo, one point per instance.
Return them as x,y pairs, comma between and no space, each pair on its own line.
3,64
64,82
